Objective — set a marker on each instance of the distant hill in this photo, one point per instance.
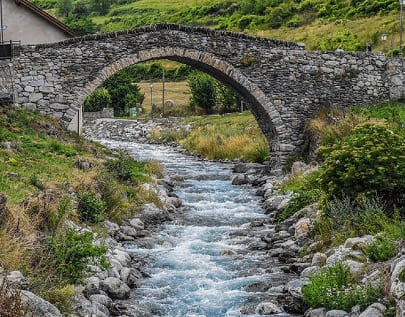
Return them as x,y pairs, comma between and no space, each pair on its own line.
320,24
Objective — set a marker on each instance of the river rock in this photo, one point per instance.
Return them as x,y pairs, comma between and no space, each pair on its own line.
316,312
176,202
101,299
36,306
309,271
302,228
152,215
268,308
112,227
240,179
122,256
93,286
130,276
115,288
137,224
374,310
358,243
336,313
319,259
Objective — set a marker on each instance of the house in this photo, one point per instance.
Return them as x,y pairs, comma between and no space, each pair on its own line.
23,21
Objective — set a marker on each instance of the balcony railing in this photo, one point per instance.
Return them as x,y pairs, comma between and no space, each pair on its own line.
8,50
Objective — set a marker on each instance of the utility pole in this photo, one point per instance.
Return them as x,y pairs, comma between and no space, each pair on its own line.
1,23
401,22
163,93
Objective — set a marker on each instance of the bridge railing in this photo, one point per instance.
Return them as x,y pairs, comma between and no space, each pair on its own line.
8,50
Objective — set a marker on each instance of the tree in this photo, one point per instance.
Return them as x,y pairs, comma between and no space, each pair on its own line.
100,6
64,7
227,101
98,100
203,92
120,86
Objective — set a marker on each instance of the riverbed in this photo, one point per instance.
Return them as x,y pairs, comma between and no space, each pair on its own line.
207,261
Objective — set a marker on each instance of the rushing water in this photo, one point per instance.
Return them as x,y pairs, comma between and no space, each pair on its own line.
199,266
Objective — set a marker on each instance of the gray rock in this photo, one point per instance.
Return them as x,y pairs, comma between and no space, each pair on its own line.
130,276
176,202
17,278
336,313
115,288
316,312
101,299
128,231
122,256
268,308
358,243
111,227
137,224
152,215
309,271
93,286
294,287
38,307
240,179
374,310
397,288
319,259
355,267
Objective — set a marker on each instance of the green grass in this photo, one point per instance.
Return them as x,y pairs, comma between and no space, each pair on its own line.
40,181
320,24
231,136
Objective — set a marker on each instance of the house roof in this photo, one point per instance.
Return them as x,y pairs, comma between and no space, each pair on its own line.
67,30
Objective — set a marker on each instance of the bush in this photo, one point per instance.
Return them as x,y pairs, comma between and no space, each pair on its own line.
98,100
299,201
335,288
124,168
368,162
381,249
62,298
72,252
90,207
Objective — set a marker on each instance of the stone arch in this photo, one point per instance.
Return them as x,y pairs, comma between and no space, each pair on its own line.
266,114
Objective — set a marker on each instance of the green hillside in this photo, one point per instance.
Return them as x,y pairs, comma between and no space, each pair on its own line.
321,24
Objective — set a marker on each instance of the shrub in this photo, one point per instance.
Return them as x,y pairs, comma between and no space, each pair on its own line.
335,288
344,218
369,162
381,249
72,252
90,207
10,301
61,297
98,100
124,168
401,276
299,201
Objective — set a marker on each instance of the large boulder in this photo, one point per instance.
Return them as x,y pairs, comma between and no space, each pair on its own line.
38,307
115,288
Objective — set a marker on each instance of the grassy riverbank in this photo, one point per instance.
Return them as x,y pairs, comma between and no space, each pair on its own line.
220,137
50,180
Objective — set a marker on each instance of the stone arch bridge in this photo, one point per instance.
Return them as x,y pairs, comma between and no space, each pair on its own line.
283,83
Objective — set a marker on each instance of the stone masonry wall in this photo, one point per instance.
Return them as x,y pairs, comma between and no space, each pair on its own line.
283,83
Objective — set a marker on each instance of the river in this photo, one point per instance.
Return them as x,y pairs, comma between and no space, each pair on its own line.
202,262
